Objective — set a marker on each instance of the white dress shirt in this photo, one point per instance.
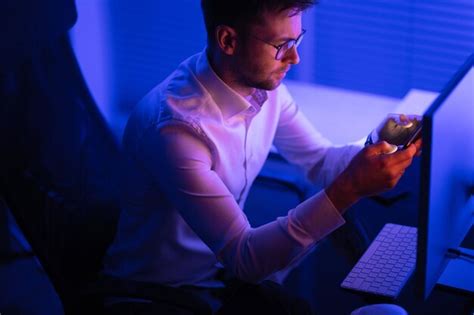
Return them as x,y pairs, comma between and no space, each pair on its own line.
194,148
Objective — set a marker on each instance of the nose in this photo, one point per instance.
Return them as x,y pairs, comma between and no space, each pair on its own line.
292,56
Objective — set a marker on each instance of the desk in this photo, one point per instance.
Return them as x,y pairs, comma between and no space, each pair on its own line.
331,110
325,269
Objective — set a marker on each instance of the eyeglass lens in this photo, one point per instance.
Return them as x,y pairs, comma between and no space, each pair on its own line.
288,45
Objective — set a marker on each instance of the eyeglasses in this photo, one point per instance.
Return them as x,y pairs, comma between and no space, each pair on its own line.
285,47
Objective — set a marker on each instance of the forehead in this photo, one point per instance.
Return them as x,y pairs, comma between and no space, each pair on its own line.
281,23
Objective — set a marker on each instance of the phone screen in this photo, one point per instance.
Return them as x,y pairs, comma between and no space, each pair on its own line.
400,130
414,135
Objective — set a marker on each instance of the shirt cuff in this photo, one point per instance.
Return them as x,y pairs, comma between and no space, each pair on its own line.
313,219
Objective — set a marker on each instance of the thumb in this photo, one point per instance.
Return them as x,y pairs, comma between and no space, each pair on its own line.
383,147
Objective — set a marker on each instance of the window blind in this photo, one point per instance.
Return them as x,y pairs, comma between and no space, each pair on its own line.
387,47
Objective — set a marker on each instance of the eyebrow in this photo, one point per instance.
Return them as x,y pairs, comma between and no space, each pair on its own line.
285,39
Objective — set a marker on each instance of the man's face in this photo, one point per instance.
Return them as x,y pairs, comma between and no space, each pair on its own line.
256,66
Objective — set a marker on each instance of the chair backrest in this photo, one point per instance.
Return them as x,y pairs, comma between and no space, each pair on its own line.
60,163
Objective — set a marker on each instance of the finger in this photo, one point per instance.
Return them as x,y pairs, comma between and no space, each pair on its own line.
419,144
407,153
393,181
398,161
383,147
402,167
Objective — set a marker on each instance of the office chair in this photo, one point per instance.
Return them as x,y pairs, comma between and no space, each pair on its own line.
59,160
60,163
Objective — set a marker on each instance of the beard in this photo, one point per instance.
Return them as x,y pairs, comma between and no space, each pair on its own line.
257,76
269,83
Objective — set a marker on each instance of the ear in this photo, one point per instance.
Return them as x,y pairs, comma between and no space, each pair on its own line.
226,38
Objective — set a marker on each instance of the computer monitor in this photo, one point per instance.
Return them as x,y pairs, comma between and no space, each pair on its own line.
447,181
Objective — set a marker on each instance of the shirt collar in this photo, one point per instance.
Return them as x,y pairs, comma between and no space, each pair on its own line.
230,102
258,98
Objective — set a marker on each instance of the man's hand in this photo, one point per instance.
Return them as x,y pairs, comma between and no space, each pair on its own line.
372,171
418,143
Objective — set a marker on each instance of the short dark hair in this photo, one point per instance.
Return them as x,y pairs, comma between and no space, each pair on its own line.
241,13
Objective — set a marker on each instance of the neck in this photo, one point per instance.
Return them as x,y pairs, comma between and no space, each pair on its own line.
224,68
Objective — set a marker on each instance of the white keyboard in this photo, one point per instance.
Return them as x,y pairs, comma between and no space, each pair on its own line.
387,264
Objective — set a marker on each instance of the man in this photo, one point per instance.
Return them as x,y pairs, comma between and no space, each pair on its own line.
197,141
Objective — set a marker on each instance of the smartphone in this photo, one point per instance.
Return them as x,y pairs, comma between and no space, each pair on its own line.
400,130
414,135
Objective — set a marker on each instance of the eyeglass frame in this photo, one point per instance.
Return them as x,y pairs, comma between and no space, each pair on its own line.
296,42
